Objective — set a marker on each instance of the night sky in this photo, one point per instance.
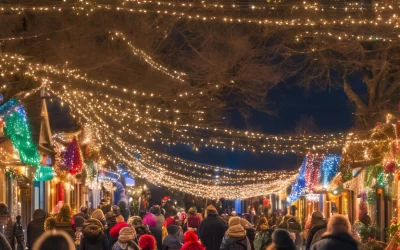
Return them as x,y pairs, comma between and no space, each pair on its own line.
330,108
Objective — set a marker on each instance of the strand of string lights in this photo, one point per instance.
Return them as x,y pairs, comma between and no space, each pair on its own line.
163,177
390,20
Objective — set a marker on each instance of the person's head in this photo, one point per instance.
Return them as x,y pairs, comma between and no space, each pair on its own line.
51,240
39,214
3,209
193,245
64,215
190,236
83,210
338,224
262,221
98,215
316,217
150,220
173,230
116,210
134,221
169,221
79,221
156,210
233,213
234,221
50,224
281,240
211,211
147,242
114,232
18,218
192,211
126,234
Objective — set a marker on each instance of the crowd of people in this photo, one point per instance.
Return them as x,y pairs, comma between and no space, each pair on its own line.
110,227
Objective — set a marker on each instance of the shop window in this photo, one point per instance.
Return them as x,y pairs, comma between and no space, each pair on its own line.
39,195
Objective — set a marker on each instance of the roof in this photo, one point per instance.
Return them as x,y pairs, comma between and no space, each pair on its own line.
36,110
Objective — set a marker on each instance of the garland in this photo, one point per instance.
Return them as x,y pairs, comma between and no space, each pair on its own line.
72,158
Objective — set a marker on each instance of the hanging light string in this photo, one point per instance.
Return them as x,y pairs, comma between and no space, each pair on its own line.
386,14
162,177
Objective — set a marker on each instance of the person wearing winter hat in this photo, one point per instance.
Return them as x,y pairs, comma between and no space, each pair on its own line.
190,236
150,220
64,220
114,232
212,229
337,236
54,239
174,239
126,240
147,242
136,223
93,236
235,237
262,237
318,228
193,245
99,215
35,227
281,241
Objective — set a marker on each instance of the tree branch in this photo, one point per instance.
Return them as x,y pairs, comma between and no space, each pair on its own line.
353,96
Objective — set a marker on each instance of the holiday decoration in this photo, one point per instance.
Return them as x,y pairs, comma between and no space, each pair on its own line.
300,183
329,168
44,174
19,132
72,158
11,172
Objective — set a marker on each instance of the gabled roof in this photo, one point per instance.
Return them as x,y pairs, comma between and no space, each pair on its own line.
36,110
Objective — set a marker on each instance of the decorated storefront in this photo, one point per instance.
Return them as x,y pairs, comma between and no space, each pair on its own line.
309,191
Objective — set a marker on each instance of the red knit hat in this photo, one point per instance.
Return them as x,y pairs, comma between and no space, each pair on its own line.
169,221
190,236
193,245
114,232
147,241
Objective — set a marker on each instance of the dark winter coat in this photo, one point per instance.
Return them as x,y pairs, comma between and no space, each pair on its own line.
93,238
317,229
35,227
172,242
211,231
156,232
229,243
6,227
4,245
341,241
66,227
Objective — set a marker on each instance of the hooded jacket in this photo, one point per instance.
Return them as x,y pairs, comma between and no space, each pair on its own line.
93,236
35,227
173,241
342,241
211,231
235,238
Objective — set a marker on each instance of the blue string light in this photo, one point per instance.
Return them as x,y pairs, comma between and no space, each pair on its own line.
329,168
300,183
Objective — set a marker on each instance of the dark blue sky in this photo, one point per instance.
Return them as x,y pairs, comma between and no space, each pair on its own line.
330,109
